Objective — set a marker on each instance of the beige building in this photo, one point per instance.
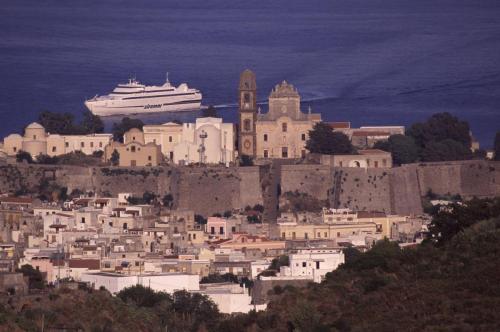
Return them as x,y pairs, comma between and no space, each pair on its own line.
36,141
297,231
166,135
371,158
133,151
283,131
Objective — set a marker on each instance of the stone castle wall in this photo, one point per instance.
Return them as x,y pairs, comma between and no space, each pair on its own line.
209,190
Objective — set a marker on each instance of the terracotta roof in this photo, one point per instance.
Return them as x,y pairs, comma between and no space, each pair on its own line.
102,200
16,200
339,125
371,214
372,151
370,133
91,264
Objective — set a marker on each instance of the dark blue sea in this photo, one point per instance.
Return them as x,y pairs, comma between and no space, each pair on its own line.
370,62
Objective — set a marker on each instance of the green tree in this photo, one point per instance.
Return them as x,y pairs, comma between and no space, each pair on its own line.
91,123
278,262
496,147
148,197
143,296
35,277
439,127
22,156
119,129
168,200
322,139
445,150
209,112
115,158
246,160
403,149
459,216
58,123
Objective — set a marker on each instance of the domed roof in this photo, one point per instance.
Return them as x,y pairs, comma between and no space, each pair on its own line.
284,90
35,125
247,80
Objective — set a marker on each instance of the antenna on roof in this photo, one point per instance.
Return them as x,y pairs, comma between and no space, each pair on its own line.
167,78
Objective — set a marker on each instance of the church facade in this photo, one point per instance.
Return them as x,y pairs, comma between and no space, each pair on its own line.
283,131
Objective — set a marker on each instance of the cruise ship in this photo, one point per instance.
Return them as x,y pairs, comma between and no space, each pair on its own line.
136,98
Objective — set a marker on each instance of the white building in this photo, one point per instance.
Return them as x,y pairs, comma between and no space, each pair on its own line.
207,141
37,141
313,263
230,298
163,282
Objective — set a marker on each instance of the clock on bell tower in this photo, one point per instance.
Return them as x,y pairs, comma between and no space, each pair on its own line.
248,113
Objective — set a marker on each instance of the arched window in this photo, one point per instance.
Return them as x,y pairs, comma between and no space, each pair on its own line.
265,137
132,148
247,125
246,97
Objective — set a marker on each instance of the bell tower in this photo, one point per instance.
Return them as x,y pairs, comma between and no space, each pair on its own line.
248,113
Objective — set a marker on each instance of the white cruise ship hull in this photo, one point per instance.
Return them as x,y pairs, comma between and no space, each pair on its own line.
112,106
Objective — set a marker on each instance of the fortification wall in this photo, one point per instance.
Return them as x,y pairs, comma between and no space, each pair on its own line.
315,180
405,190
361,189
215,190
466,178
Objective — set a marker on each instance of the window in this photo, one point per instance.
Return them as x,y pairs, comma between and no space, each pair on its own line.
170,138
293,235
283,235
132,148
306,236
233,229
83,220
246,98
15,149
317,265
194,236
91,144
67,144
82,144
221,230
384,162
376,164
149,158
125,226
340,164
303,137
338,234
326,234
303,153
54,149
265,137
266,154
304,264
284,152
247,124
171,155
133,138
284,127
319,234
212,230
100,144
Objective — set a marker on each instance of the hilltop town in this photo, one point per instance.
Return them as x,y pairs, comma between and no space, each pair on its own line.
233,212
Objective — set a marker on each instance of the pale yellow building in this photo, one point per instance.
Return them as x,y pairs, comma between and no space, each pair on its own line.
166,135
283,131
36,141
297,231
133,151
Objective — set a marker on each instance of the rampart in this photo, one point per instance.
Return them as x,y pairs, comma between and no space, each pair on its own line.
209,190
